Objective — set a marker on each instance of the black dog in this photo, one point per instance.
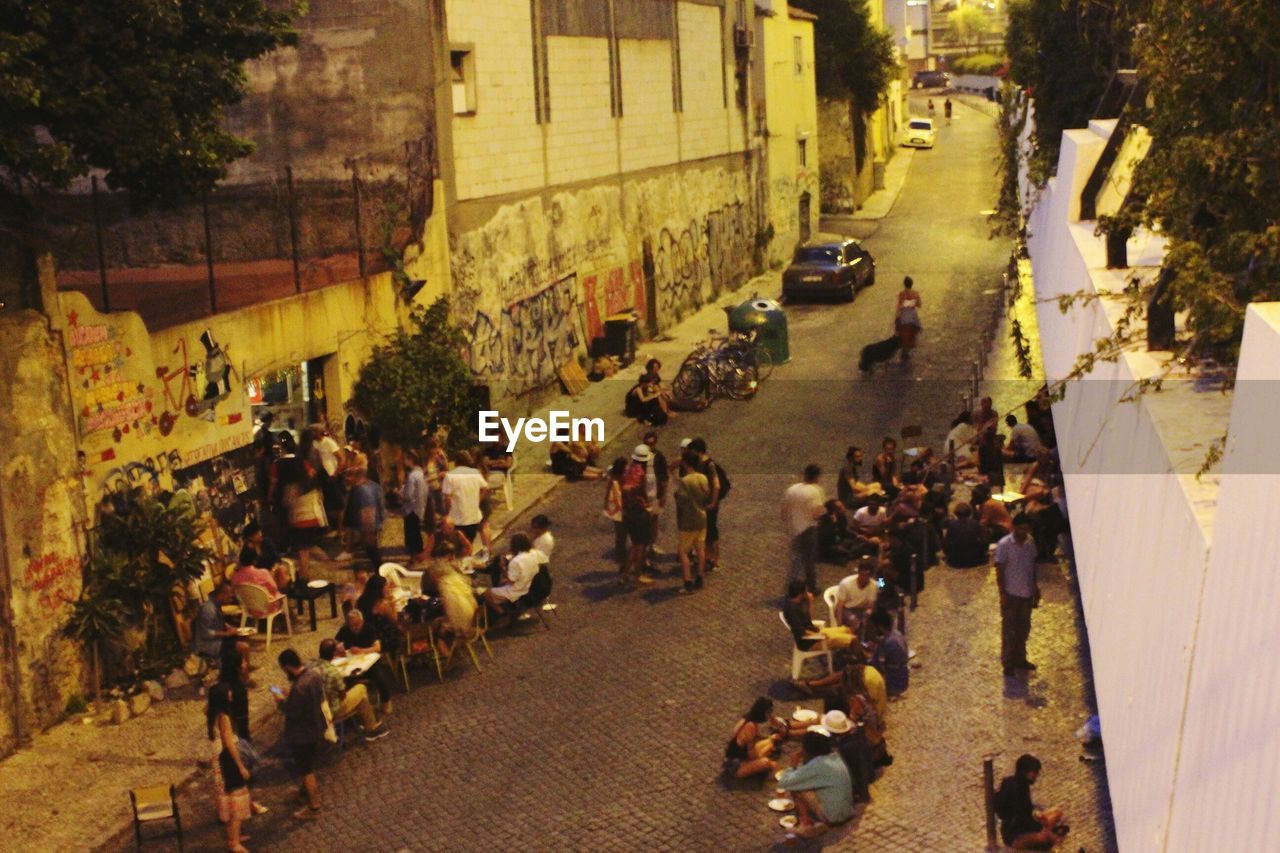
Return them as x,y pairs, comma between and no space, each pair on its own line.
873,354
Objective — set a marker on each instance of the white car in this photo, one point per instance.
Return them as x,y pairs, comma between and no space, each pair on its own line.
919,133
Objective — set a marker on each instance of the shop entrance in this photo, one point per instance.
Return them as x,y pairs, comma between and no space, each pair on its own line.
294,396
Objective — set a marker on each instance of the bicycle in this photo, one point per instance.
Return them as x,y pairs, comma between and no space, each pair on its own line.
725,367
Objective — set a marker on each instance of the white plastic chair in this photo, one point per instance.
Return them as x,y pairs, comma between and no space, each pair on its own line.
501,479
256,603
398,575
799,655
829,596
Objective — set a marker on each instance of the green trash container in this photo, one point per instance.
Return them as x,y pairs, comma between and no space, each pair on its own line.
767,316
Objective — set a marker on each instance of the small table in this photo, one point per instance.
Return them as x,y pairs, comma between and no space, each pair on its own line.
353,665
309,594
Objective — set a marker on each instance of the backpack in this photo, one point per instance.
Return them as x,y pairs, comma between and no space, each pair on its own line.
723,477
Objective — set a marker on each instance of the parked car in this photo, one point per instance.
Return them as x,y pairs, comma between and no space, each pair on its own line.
841,268
931,80
919,133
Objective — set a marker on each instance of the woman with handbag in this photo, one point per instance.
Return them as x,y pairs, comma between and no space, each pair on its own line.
906,319
234,756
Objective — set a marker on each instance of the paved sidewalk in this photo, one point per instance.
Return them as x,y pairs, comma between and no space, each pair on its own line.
167,744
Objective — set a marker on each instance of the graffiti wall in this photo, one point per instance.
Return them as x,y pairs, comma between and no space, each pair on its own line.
42,514
535,280
146,404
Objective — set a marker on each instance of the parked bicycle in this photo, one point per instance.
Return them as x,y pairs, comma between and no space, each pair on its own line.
732,366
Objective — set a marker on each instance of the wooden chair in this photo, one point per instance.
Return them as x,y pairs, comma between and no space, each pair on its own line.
154,803
799,655
258,604
479,627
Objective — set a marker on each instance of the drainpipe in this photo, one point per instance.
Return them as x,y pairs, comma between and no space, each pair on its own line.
6,614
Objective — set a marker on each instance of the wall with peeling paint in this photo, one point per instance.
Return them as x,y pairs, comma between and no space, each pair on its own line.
41,523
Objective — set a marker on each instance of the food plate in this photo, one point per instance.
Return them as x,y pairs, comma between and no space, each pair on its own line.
788,821
819,729
246,632
319,584
781,804
804,715
819,623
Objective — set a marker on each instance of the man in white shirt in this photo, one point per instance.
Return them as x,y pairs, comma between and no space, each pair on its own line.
870,519
522,567
801,509
856,596
463,489
1019,593
543,541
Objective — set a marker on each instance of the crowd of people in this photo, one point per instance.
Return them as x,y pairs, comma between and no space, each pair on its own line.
908,513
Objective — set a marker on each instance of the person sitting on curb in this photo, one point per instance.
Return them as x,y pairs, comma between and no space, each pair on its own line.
819,783
856,596
748,752
1021,826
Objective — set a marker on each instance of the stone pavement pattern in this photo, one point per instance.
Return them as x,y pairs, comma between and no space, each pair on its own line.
606,732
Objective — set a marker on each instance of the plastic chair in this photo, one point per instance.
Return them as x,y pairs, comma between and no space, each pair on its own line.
398,575
829,596
157,802
799,655
258,604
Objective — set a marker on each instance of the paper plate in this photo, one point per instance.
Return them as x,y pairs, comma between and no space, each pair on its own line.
318,584
804,715
788,821
819,729
781,804
246,632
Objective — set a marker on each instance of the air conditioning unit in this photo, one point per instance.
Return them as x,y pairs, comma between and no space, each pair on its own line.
744,37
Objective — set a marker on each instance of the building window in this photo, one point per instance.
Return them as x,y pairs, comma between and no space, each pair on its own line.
462,67
802,152
797,45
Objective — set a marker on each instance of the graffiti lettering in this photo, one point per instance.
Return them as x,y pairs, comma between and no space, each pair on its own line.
530,340
52,580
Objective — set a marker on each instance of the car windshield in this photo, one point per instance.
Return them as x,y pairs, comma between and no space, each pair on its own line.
921,124
817,255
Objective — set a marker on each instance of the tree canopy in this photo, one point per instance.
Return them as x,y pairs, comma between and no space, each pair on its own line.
852,57
1211,182
136,88
418,382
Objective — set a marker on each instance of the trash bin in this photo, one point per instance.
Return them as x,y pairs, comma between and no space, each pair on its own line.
766,316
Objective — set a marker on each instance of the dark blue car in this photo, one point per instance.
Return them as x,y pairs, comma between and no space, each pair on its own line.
839,269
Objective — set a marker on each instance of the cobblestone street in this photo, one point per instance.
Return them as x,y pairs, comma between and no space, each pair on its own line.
606,732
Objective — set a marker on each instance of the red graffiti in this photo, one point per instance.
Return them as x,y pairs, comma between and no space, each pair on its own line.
595,328
52,579
636,274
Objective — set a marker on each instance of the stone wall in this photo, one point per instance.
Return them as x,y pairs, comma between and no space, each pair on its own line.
534,279
41,530
842,187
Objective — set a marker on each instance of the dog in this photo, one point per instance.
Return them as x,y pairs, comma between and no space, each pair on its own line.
873,354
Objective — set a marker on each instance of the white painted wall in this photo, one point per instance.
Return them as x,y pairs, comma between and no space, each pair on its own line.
1180,628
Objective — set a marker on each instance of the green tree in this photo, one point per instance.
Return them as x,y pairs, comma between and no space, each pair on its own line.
419,382
853,59
1063,52
1211,182
136,88
968,24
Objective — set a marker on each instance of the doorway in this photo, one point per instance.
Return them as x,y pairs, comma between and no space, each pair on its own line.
805,229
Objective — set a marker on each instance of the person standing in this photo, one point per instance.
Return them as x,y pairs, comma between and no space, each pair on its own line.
801,509
413,505
1019,593
463,488
906,320
233,770
946,109
366,512
637,515
304,725
613,511
434,467
693,494
720,485
932,110
657,481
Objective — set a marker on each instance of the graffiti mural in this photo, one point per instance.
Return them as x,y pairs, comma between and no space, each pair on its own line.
109,400
53,581
529,340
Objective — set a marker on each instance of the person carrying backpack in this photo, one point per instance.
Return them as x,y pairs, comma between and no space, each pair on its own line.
720,487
